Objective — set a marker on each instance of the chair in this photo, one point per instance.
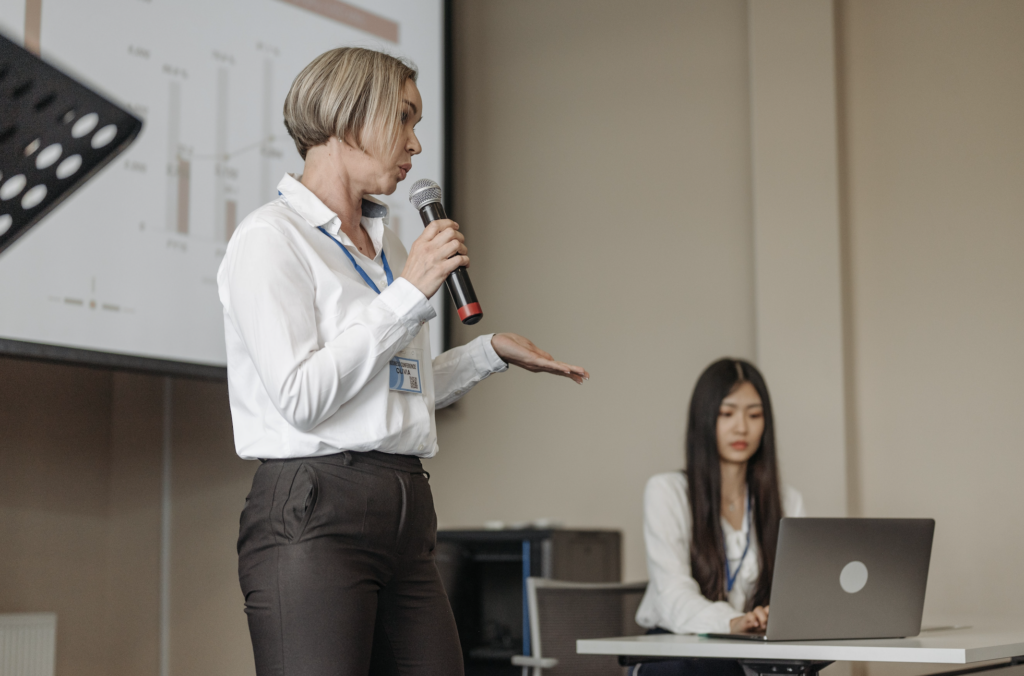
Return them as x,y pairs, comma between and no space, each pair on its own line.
562,612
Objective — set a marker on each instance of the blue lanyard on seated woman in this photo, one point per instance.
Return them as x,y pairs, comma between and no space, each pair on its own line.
362,273
730,578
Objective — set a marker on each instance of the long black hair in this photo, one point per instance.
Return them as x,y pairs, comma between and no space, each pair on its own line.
704,477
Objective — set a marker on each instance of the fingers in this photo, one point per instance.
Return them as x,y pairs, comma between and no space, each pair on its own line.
754,620
439,232
449,249
450,234
574,373
443,225
575,378
453,263
580,371
450,243
430,232
739,625
759,617
447,245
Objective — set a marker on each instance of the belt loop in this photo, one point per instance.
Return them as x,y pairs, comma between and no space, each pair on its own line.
348,457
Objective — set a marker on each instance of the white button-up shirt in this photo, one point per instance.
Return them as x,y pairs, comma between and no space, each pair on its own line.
673,600
308,341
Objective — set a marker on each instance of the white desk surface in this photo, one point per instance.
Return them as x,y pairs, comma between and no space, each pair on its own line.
953,646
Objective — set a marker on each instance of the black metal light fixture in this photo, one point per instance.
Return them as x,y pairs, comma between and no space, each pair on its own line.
55,134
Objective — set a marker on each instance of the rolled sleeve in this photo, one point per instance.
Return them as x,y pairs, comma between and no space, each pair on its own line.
486,359
458,370
408,304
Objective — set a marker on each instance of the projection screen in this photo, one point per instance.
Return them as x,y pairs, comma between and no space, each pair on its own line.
124,272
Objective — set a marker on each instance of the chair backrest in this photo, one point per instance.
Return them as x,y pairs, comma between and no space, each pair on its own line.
562,612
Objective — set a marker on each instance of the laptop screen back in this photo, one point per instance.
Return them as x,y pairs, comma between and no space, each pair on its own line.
849,578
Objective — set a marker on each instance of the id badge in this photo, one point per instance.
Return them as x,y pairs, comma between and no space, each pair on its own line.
404,375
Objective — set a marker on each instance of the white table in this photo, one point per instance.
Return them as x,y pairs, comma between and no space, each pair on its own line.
953,646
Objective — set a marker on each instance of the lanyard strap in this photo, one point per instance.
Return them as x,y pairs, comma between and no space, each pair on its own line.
362,273
730,578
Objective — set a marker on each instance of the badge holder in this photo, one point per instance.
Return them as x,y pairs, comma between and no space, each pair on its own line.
404,375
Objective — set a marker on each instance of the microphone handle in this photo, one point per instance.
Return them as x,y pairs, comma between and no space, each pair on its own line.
458,282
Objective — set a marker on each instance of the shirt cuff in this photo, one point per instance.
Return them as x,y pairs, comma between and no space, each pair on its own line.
408,303
484,356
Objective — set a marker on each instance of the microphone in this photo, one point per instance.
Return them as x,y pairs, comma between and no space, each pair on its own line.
425,195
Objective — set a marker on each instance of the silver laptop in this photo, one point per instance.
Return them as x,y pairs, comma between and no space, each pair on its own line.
848,579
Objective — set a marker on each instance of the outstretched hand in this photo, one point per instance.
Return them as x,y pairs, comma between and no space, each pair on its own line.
515,349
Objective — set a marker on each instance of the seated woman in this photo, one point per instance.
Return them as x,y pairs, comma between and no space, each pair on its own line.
712,528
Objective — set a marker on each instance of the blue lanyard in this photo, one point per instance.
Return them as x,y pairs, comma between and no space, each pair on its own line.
362,273
730,578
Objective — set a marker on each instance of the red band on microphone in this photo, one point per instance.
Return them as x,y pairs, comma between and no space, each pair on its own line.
470,310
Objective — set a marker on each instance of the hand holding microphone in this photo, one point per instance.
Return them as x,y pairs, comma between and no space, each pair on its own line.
434,255
425,195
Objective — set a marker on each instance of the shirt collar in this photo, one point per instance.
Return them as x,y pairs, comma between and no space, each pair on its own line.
302,200
747,514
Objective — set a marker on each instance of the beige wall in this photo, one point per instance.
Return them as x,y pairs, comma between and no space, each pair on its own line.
133,550
54,475
797,284
81,455
935,167
602,178
209,634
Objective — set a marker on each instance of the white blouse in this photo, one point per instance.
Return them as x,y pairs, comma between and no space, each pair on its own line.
309,342
673,600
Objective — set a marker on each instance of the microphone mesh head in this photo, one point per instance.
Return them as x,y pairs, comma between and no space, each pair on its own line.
424,191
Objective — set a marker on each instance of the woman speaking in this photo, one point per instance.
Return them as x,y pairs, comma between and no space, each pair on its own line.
337,536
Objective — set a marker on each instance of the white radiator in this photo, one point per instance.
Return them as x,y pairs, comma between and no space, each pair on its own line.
28,644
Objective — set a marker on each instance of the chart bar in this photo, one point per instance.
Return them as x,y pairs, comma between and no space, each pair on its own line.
184,172
33,24
173,151
266,146
230,218
350,15
220,140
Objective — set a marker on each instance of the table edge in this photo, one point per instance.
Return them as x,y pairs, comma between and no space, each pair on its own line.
920,655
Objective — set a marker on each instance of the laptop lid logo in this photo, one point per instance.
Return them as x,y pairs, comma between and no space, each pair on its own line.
854,577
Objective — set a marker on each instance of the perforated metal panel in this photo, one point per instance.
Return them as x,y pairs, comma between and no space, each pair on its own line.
55,134
568,614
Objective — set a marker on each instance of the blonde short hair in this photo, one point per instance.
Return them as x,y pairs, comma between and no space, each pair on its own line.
352,94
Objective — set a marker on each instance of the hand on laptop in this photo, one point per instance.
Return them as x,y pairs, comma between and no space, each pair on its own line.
754,621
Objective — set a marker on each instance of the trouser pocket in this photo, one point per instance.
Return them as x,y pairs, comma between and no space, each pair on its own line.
300,503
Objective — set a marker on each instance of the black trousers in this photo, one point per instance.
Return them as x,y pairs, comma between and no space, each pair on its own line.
336,562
